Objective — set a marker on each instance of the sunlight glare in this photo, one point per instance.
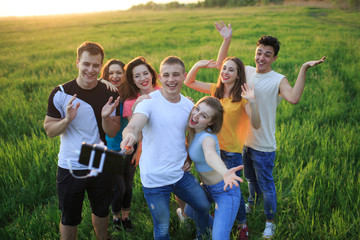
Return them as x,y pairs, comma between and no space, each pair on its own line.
49,7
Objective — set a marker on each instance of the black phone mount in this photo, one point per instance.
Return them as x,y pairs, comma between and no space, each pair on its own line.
101,159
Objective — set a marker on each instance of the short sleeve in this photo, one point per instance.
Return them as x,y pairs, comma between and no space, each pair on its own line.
212,89
127,107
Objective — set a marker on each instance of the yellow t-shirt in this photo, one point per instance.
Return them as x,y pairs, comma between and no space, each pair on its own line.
235,124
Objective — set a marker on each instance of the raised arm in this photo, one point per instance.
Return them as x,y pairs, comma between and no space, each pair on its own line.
251,106
214,161
110,124
190,78
226,33
293,95
56,126
132,131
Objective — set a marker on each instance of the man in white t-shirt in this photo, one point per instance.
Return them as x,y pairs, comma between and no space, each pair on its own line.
259,150
162,120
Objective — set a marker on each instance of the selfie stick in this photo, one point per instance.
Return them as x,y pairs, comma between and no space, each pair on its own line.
94,171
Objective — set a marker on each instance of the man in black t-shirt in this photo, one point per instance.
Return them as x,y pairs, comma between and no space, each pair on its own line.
81,111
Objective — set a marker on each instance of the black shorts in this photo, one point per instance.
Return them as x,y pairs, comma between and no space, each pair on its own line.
71,192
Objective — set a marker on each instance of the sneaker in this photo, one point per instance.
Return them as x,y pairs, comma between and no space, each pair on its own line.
117,224
248,208
269,230
243,232
127,224
179,213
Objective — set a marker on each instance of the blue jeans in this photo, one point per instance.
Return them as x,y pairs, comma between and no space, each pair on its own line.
258,172
233,159
189,190
225,212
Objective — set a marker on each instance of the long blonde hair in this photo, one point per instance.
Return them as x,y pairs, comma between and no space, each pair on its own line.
217,118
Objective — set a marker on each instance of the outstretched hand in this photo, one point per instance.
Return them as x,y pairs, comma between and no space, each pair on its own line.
225,31
207,63
128,143
314,63
109,107
71,111
247,92
230,177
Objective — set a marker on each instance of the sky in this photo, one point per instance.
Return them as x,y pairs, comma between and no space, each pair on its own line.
50,7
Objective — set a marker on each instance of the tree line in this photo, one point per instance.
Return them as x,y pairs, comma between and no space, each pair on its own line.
346,4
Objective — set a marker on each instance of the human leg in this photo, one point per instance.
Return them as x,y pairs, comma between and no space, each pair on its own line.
189,190
263,163
71,193
100,226
158,200
67,232
126,201
99,191
250,175
231,160
227,205
181,210
118,194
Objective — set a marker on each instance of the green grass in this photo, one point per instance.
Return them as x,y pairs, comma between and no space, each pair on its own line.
317,163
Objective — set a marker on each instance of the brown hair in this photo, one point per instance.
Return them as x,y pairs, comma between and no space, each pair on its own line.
91,47
172,60
128,88
105,70
235,92
217,118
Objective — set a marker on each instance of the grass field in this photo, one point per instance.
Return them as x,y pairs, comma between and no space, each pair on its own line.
317,163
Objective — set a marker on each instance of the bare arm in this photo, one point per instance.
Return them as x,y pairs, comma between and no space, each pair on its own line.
133,129
215,162
190,78
110,124
226,33
293,95
251,107
56,126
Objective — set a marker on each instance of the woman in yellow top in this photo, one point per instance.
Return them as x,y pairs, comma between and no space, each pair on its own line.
237,112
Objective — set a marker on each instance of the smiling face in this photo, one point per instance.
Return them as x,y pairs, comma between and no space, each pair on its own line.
201,117
89,68
264,57
172,77
229,72
116,74
143,79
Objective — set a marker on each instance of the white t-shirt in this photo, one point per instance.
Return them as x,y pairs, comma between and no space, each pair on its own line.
268,98
86,126
163,145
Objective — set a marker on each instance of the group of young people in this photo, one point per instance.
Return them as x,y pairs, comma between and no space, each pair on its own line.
164,132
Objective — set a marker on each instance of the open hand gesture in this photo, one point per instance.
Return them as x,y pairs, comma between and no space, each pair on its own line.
314,63
109,107
230,177
207,63
71,111
225,31
247,92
